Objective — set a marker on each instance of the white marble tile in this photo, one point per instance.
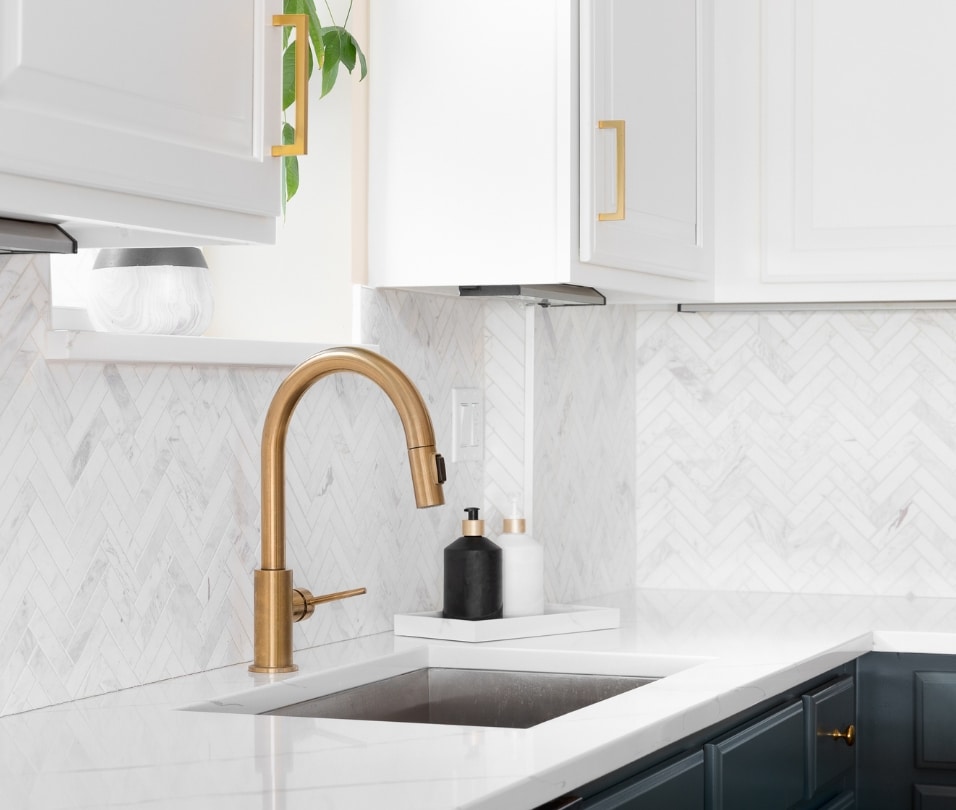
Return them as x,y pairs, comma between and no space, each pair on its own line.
807,452
129,499
801,452
584,444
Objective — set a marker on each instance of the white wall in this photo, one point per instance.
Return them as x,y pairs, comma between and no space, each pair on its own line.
301,287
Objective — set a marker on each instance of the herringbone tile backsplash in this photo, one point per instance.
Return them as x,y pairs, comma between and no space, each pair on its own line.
810,452
803,452
806,451
129,499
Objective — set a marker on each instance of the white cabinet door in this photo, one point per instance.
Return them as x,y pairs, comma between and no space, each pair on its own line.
474,167
860,164
157,116
469,153
645,198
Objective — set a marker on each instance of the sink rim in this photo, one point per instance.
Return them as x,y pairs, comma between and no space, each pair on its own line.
270,692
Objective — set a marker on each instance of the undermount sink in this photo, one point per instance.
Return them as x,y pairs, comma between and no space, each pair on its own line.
467,697
453,685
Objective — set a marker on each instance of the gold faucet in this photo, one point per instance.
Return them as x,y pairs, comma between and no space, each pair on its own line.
277,603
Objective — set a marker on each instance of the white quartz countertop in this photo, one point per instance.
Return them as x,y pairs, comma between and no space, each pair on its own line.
136,748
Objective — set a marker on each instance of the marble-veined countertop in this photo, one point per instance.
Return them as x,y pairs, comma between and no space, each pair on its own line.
728,651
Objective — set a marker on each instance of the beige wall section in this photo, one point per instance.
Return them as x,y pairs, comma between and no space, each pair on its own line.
301,287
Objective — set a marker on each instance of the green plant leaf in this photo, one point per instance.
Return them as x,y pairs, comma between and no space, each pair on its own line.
354,46
332,40
288,74
315,28
349,50
291,176
341,44
290,166
291,7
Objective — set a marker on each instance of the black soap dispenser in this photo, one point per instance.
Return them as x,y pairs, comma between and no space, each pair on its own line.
472,574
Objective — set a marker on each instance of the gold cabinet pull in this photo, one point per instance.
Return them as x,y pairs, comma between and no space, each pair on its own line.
300,145
848,736
618,212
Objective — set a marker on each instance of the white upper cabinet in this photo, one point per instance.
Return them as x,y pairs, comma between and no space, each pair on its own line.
769,150
859,165
480,113
141,124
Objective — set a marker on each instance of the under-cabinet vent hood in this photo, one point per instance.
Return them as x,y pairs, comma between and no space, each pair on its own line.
545,295
22,236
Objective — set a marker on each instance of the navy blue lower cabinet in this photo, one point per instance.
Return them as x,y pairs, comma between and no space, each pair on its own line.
845,801
760,766
907,731
677,785
789,752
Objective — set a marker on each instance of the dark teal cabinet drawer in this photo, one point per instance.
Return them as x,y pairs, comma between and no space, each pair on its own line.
761,766
678,785
830,715
779,755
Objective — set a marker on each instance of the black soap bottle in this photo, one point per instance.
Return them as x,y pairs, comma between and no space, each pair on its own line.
472,574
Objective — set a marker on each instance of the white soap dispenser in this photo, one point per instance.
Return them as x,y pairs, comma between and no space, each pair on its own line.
522,568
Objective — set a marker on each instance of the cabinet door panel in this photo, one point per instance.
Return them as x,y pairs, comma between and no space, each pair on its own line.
827,710
760,766
165,101
644,62
677,786
906,730
934,797
935,719
859,122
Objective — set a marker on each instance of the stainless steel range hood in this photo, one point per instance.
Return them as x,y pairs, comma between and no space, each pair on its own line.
545,295
22,236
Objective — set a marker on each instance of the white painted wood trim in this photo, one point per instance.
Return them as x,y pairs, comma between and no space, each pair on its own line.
77,346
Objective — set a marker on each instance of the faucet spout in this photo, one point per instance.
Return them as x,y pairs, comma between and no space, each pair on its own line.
274,611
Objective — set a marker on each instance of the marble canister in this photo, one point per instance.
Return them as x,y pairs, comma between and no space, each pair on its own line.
159,291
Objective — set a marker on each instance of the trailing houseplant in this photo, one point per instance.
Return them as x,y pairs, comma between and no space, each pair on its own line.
330,47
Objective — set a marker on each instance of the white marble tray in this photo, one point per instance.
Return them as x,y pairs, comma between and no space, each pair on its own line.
555,620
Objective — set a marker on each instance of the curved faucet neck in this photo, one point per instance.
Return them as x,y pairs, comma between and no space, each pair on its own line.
426,466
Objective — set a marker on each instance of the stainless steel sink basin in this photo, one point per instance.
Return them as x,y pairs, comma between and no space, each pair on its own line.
453,685
470,697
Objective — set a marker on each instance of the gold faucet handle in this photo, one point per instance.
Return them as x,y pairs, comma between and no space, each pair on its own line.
303,602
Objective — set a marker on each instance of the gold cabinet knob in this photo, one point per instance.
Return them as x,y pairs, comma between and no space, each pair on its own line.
848,736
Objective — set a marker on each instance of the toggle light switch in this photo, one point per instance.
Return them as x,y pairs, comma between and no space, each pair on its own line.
467,424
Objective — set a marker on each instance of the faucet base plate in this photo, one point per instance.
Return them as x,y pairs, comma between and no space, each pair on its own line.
272,670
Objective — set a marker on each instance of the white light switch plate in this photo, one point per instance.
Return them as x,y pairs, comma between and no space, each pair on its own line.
467,424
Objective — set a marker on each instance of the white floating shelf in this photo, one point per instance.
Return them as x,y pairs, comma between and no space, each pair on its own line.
555,620
62,344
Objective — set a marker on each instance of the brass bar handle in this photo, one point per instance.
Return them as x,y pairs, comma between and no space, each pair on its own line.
303,602
848,736
620,150
301,144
